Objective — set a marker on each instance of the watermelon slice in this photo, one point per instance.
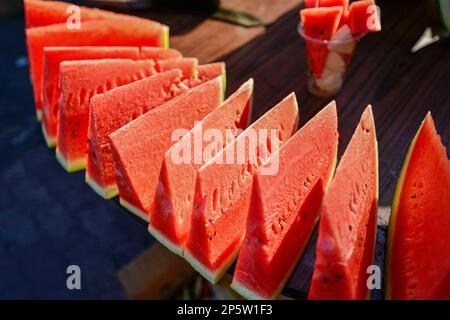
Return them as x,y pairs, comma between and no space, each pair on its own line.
347,231
43,13
418,263
169,223
138,148
110,111
53,56
116,108
331,3
125,32
80,80
319,24
285,208
157,53
222,196
364,17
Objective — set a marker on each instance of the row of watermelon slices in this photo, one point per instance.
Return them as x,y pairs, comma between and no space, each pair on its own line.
210,212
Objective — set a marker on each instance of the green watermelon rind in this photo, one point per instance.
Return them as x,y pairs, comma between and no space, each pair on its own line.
165,36
394,208
50,141
177,249
39,115
444,7
377,196
224,80
249,294
134,210
70,166
208,274
107,192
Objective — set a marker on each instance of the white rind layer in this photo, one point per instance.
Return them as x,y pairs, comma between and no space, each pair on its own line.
177,249
70,166
136,211
105,192
208,274
51,142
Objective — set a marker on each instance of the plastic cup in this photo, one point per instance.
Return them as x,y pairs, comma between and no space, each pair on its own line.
340,49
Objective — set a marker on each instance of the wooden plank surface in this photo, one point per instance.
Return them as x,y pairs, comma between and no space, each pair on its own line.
401,86
208,39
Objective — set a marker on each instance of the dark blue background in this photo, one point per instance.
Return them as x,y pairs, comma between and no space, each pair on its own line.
50,219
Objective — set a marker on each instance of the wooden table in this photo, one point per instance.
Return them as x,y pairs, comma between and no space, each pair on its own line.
399,85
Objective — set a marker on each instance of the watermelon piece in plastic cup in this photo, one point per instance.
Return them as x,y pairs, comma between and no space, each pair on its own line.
328,60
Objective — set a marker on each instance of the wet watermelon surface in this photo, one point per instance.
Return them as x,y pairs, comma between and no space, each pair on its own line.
50,219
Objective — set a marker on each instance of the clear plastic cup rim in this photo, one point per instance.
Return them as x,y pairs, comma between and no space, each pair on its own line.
326,42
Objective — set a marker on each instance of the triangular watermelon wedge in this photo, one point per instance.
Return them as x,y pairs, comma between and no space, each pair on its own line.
126,32
53,56
224,187
347,231
138,148
116,108
285,207
319,24
169,223
331,3
418,263
364,17
80,81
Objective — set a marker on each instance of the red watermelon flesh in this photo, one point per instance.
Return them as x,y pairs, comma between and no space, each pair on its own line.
364,17
111,111
53,56
223,191
126,32
344,19
327,3
285,207
212,69
170,220
43,13
418,263
209,71
319,24
331,3
347,232
138,148
188,66
114,109
80,81
156,53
